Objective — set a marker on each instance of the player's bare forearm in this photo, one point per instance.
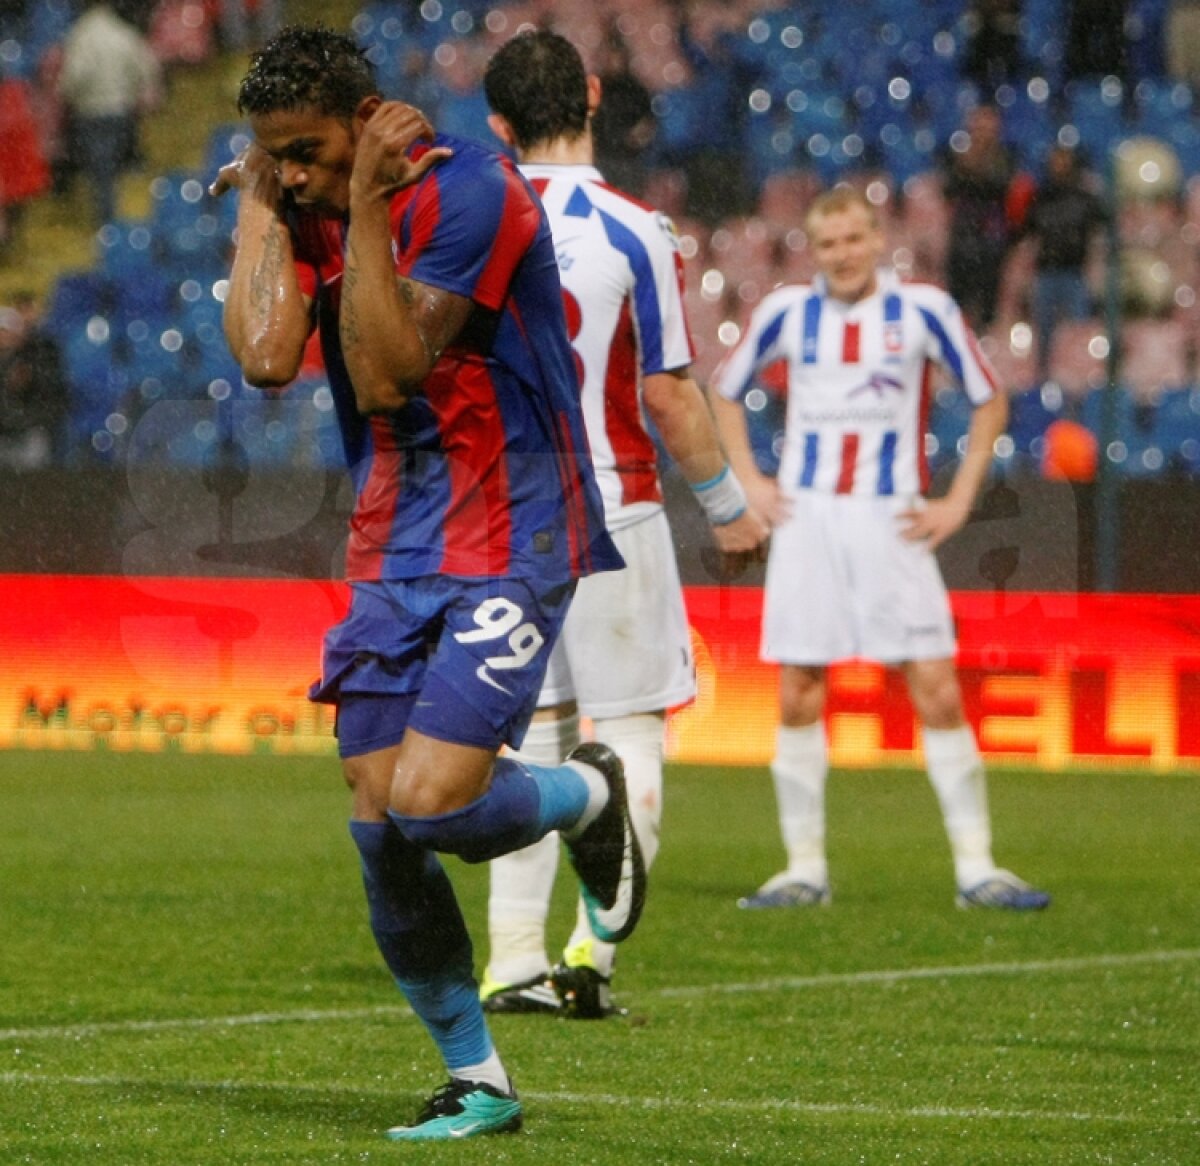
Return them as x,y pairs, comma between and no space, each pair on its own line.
940,518
266,315
988,422
393,329
681,415
734,436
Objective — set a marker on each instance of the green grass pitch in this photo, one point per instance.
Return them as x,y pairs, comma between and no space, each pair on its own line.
186,977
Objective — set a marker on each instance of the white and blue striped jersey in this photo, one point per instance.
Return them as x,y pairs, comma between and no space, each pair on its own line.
858,379
622,279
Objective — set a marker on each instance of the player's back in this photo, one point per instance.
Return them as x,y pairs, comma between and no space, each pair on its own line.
621,274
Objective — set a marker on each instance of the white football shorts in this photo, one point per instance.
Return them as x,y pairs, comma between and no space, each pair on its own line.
843,584
626,647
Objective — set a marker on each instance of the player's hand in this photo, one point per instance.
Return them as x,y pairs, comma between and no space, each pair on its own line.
766,498
253,172
746,535
933,521
739,545
381,162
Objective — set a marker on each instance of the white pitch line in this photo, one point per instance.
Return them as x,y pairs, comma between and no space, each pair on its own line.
1020,968
249,1019
831,980
705,1104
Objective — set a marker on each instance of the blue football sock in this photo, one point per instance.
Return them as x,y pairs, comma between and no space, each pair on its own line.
522,804
420,931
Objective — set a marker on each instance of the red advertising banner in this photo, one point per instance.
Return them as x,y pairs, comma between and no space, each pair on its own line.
224,665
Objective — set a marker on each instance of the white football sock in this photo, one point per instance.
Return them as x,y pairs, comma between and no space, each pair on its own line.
956,773
800,767
522,882
489,1072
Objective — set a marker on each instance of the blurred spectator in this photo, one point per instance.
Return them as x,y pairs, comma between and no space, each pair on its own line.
978,179
49,111
462,108
24,174
1064,217
34,400
1096,44
1183,41
993,52
248,24
110,78
624,125
708,142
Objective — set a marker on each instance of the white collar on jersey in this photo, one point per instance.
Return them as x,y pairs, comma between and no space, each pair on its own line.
580,171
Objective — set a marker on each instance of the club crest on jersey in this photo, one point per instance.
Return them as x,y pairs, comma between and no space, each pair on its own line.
564,258
878,383
893,338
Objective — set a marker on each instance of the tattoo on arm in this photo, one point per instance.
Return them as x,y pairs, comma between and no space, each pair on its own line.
264,281
348,316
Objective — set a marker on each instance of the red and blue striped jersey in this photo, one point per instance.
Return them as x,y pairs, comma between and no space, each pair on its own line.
622,278
487,471
858,381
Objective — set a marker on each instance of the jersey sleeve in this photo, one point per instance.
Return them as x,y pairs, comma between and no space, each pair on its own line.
760,345
664,341
469,226
953,345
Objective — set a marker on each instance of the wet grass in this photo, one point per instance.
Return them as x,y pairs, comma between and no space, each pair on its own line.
186,977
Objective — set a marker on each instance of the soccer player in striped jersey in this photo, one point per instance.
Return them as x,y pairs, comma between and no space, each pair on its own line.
428,266
625,654
852,571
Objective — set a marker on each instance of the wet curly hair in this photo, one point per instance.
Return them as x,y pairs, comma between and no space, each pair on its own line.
307,67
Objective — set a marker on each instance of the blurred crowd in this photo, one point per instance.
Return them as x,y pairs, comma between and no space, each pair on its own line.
1006,144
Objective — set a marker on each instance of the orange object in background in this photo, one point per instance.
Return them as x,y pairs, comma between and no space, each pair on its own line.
1071,453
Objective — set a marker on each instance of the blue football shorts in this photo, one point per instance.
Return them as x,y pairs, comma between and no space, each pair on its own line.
461,660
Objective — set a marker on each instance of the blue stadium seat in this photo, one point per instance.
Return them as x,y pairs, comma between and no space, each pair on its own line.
766,413
190,228
1094,108
224,144
1031,413
1133,449
949,417
1176,429
1029,131
98,375
74,299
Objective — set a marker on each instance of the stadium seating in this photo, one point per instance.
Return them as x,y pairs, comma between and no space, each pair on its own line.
865,93
1126,437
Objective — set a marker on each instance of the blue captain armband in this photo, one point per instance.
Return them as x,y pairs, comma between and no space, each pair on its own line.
722,498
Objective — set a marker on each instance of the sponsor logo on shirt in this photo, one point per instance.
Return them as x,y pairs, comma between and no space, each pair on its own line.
878,383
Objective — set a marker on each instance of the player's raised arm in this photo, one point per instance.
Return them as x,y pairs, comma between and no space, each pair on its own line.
393,329
266,314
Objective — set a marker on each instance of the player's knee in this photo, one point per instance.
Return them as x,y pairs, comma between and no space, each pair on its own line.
801,695
368,786
940,707
416,794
